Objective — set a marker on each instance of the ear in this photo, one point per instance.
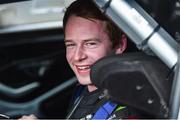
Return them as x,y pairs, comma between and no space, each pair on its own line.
123,45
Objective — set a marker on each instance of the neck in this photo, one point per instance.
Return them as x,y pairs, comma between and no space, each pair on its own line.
91,88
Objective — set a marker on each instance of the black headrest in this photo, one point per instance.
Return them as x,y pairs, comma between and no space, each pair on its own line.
135,79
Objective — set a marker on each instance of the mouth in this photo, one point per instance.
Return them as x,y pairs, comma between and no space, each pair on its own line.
83,69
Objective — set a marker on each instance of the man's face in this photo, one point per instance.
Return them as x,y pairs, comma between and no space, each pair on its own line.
86,42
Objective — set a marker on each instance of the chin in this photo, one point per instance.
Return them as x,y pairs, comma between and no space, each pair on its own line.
84,81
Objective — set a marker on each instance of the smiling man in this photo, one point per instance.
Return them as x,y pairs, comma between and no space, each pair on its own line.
90,36
86,42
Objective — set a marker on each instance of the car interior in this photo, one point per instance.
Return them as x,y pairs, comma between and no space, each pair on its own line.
134,79
150,85
36,78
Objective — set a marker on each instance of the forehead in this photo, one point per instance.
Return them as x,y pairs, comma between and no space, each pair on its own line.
82,27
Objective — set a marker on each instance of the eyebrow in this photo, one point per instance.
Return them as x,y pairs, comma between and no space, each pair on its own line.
93,39
86,40
68,40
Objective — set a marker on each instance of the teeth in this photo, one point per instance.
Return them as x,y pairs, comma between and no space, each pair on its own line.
84,67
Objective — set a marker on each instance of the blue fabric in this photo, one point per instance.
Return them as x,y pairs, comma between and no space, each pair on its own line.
105,111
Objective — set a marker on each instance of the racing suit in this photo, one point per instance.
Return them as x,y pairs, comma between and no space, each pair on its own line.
88,103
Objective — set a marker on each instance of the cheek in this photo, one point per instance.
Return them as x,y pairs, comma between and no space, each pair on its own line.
68,56
101,52
105,49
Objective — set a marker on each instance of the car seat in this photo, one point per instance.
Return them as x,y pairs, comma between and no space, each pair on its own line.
135,79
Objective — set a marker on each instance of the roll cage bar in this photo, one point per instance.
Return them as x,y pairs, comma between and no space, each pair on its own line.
146,33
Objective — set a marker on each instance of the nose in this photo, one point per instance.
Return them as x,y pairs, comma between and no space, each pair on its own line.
80,54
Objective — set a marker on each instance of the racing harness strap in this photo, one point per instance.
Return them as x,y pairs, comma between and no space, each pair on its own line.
105,111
